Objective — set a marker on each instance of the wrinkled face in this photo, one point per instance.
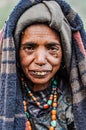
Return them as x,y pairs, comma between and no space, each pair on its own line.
40,53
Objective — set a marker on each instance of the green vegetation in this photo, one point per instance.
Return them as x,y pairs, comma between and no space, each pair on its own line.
7,5
5,8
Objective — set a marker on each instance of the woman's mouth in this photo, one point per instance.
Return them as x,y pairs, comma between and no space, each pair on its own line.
39,73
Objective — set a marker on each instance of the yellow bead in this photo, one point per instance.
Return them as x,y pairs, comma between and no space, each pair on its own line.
34,99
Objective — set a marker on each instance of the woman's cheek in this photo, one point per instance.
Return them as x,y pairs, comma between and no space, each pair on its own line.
55,60
23,60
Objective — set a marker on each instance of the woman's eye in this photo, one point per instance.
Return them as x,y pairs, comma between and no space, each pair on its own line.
28,49
53,48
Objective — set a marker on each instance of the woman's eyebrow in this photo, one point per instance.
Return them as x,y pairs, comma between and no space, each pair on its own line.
29,44
53,44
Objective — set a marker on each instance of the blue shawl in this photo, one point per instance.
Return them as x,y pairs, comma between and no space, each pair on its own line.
12,116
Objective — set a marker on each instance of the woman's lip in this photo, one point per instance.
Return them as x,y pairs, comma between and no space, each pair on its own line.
40,73
37,70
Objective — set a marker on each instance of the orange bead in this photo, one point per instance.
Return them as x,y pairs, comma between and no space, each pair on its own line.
51,128
53,117
54,112
31,94
54,104
28,123
46,106
28,126
25,103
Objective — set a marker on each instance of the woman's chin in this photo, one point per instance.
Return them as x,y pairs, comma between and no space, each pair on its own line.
39,79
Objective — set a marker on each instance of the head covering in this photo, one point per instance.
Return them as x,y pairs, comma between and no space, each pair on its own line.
59,16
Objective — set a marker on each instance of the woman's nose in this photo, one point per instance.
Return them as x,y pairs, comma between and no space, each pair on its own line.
40,57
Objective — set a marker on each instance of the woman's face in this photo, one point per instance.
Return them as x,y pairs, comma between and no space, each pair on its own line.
40,53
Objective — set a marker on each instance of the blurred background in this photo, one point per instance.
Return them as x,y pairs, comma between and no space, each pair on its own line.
6,7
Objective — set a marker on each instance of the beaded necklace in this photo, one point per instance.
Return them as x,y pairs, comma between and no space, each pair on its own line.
52,101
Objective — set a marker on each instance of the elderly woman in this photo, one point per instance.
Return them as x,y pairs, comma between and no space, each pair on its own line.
43,68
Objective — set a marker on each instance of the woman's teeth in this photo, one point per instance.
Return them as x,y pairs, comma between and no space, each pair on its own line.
40,73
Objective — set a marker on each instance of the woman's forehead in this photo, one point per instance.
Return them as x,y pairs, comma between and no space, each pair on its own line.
39,32
40,29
